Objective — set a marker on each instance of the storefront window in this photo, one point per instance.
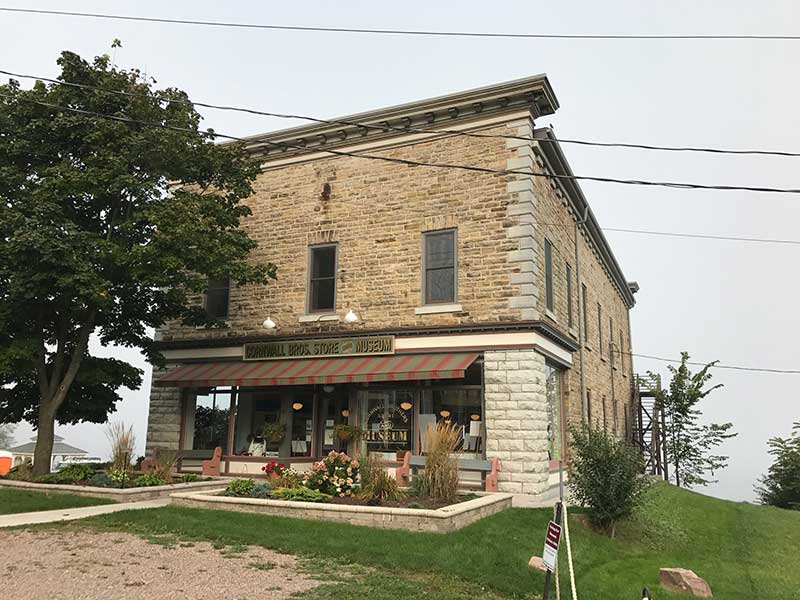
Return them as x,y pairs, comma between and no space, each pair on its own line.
553,391
275,423
458,405
209,419
387,420
334,411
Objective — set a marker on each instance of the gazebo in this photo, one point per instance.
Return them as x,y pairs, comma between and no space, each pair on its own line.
61,451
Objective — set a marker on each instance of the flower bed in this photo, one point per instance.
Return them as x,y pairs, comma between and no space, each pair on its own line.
127,494
442,520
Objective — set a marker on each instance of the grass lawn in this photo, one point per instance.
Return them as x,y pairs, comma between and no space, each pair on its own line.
741,550
21,501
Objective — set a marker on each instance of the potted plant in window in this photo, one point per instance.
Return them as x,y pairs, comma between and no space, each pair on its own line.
346,432
274,432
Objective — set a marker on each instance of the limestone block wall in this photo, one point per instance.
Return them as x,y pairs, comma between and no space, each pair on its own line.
516,419
164,418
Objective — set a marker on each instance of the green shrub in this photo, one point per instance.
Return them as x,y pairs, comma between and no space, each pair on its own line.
148,480
300,494
240,488
119,476
382,486
190,478
605,475
100,480
74,473
261,490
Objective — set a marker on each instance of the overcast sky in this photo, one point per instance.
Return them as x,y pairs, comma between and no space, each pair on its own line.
731,301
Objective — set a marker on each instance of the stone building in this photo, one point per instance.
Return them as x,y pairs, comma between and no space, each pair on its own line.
407,295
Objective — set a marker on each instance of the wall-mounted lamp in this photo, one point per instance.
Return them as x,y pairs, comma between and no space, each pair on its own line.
328,388
268,323
351,317
475,417
405,405
444,413
297,405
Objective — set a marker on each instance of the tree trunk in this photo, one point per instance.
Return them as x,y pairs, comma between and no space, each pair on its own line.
45,430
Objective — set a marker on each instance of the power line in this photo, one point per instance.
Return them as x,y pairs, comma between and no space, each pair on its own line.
436,165
416,32
387,128
716,366
703,236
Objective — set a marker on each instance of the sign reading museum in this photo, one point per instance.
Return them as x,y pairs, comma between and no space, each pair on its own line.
353,346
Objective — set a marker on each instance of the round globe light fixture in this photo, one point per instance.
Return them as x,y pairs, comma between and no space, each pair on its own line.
351,317
475,417
268,323
345,413
406,405
297,405
444,413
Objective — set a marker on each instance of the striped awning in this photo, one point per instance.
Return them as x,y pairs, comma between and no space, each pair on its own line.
397,367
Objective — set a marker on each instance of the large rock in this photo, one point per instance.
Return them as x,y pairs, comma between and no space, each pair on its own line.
537,563
684,580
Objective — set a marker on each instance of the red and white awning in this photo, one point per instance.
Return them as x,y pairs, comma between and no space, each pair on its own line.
396,367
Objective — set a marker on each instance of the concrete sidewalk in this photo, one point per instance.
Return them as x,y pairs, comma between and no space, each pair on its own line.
70,514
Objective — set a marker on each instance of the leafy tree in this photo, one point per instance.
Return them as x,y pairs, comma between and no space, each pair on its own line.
107,227
605,476
689,445
6,436
781,485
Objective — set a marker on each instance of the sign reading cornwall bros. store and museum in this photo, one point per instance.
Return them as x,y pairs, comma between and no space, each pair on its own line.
350,346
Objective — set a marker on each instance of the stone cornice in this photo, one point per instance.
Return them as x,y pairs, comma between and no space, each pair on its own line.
443,112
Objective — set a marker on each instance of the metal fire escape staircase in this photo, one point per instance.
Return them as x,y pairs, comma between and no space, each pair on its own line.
649,424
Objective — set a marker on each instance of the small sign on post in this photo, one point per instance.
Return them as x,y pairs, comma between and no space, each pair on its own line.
551,541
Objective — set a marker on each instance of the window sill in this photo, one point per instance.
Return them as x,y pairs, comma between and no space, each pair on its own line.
434,309
201,327
551,315
318,317
587,347
573,333
603,358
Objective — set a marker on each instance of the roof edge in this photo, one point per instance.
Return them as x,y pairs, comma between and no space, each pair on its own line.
558,162
534,93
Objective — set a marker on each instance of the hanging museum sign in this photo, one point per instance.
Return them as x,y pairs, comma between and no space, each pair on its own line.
350,346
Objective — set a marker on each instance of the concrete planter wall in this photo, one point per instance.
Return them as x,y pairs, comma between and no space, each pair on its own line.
442,520
118,495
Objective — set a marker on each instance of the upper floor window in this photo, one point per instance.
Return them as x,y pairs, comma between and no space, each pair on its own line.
548,273
570,322
322,278
600,327
622,351
584,306
611,351
439,272
217,298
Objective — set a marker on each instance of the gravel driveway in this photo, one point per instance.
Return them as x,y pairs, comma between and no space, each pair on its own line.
86,565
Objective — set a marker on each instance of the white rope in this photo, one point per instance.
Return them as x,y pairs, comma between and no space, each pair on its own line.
569,554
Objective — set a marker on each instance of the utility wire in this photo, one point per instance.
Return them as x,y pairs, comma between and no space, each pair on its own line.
387,128
415,32
703,236
716,366
436,165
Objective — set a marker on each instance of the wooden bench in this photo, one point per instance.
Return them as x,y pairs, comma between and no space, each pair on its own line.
210,460
487,468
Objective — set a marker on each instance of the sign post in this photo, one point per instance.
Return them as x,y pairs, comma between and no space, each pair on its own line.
550,554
